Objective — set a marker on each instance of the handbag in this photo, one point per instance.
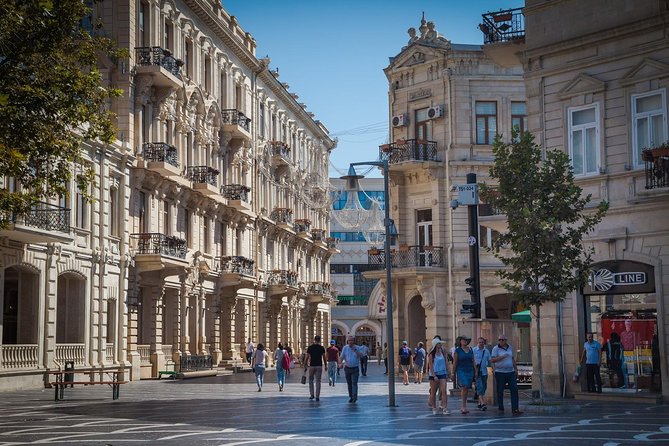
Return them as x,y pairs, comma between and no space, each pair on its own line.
304,377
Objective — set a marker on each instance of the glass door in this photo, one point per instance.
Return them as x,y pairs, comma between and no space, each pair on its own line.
424,225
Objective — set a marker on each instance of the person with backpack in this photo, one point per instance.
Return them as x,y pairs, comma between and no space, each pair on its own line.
282,365
419,363
334,362
614,360
405,362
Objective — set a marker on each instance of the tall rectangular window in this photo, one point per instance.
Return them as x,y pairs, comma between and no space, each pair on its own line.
584,140
142,31
649,122
167,221
81,210
207,73
519,117
167,37
205,228
187,228
188,58
141,212
113,212
261,120
486,122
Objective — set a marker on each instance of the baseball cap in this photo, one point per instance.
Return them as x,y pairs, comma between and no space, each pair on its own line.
332,342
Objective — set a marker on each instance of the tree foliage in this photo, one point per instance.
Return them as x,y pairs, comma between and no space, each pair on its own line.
547,217
51,98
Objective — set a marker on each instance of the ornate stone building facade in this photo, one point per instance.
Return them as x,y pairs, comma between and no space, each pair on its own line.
596,78
446,103
211,225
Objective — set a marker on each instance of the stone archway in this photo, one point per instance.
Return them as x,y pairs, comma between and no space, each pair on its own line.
416,327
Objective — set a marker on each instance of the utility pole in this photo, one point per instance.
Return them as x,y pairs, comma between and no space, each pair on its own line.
473,241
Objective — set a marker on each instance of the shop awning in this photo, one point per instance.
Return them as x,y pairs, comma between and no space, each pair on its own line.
522,316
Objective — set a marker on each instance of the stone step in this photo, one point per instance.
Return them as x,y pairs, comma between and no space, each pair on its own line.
621,396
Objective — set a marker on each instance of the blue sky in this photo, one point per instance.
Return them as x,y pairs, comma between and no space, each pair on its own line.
332,54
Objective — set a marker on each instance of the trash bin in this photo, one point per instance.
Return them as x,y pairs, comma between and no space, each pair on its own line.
68,377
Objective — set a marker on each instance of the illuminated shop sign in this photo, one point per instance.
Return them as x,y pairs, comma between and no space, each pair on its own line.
621,277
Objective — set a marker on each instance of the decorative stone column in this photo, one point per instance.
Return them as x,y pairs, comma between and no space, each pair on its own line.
157,293
215,332
228,310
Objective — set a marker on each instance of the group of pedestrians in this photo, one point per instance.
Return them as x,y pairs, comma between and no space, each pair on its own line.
469,368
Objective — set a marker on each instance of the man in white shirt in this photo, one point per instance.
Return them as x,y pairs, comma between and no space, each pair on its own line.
249,350
505,373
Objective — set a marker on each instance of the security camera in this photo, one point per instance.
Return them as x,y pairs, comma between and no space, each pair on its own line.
454,204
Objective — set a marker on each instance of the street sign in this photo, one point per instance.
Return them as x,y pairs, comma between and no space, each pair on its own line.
468,194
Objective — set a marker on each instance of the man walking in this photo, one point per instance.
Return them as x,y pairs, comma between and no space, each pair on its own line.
419,363
350,356
249,350
315,361
592,357
505,374
405,362
482,359
365,357
334,362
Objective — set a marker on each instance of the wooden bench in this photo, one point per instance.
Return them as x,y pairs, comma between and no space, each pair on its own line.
67,378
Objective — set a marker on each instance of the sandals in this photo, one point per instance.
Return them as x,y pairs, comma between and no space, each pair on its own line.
464,411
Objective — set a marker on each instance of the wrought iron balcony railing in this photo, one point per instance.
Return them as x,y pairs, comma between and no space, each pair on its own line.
283,277
657,167
160,152
237,265
235,192
155,55
322,288
202,174
235,117
302,225
45,216
408,257
156,243
503,26
280,148
282,215
318,235
409,150
332,242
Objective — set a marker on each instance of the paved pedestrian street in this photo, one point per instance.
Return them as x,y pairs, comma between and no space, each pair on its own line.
228,410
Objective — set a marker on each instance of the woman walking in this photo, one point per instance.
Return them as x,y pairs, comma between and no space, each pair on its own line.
279,355
437,373
464,366
258,364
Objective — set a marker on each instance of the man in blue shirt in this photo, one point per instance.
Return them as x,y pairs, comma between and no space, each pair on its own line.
592,356
365,357
350,356
505,374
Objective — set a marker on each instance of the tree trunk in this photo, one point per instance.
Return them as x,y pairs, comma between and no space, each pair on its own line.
540,369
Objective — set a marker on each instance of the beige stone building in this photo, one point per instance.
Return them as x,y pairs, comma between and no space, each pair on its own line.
446,103
596,80
211,225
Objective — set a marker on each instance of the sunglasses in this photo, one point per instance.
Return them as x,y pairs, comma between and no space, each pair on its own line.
502,339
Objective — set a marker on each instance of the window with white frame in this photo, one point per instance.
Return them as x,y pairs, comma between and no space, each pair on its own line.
649,122
584,139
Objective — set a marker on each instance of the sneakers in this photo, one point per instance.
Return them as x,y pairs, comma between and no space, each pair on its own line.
311,397
517,412
435,411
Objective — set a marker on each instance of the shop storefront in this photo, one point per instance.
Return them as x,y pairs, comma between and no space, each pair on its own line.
620,306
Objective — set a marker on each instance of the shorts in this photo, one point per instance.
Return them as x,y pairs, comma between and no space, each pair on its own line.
418,368
405,367
439,377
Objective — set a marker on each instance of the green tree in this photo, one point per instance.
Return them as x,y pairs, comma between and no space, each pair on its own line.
547,218
51,98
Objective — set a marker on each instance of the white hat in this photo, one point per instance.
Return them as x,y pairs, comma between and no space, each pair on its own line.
436,340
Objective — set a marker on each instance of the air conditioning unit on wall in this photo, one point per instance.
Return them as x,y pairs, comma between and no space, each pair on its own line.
400,121
435,112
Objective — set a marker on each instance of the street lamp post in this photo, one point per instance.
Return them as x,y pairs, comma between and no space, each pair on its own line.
383,164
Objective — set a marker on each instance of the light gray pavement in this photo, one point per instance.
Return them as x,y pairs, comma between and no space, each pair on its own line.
228,410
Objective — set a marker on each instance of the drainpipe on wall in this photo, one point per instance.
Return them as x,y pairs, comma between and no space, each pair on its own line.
449,255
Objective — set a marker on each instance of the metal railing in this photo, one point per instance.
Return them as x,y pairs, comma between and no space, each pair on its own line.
332,242
318,235
282,215
503,26
71,352
109,353
237,265
283,277
155,55
156,243
409,150
236,192
160,152
320,288
657,167
302,225
409,256
192,363
280,148
19,356
202,174
44,216
235,117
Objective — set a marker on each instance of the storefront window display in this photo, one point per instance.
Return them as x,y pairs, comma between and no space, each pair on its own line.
621,310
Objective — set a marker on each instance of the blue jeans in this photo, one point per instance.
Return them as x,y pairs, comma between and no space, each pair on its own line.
260,372
332,372
352,374
363,365
501,380
280,376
